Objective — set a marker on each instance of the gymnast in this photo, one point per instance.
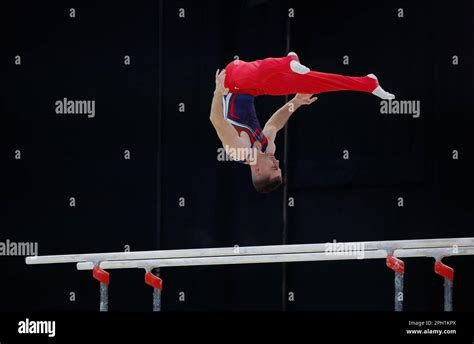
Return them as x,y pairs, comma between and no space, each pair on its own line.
233,111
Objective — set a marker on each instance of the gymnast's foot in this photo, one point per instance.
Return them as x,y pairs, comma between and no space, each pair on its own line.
296,66
292,53
379,91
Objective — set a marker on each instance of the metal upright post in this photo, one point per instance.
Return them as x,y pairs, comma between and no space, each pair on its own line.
398,266
104,278
448,274
157,284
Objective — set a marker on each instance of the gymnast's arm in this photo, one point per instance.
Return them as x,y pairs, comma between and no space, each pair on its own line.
227,134
279,118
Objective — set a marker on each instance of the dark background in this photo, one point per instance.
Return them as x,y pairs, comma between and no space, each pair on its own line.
173,154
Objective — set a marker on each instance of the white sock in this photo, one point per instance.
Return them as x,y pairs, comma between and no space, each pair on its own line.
299,68
379,91
372,76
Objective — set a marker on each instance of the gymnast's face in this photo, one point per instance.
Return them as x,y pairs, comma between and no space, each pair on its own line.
273,166
266,173
268,166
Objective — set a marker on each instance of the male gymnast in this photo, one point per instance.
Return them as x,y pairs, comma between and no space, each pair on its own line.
235,120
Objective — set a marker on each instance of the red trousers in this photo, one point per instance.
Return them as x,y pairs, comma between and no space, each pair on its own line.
274,76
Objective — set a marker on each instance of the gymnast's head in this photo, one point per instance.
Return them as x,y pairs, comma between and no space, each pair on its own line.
266,172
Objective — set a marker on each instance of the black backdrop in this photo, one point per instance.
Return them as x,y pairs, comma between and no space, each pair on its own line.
139,108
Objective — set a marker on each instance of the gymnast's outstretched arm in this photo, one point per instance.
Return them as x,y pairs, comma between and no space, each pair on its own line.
282,115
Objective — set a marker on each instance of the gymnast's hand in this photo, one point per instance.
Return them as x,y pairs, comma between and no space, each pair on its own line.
304,99
220,88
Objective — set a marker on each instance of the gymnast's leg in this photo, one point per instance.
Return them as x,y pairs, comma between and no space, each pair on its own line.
288,76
